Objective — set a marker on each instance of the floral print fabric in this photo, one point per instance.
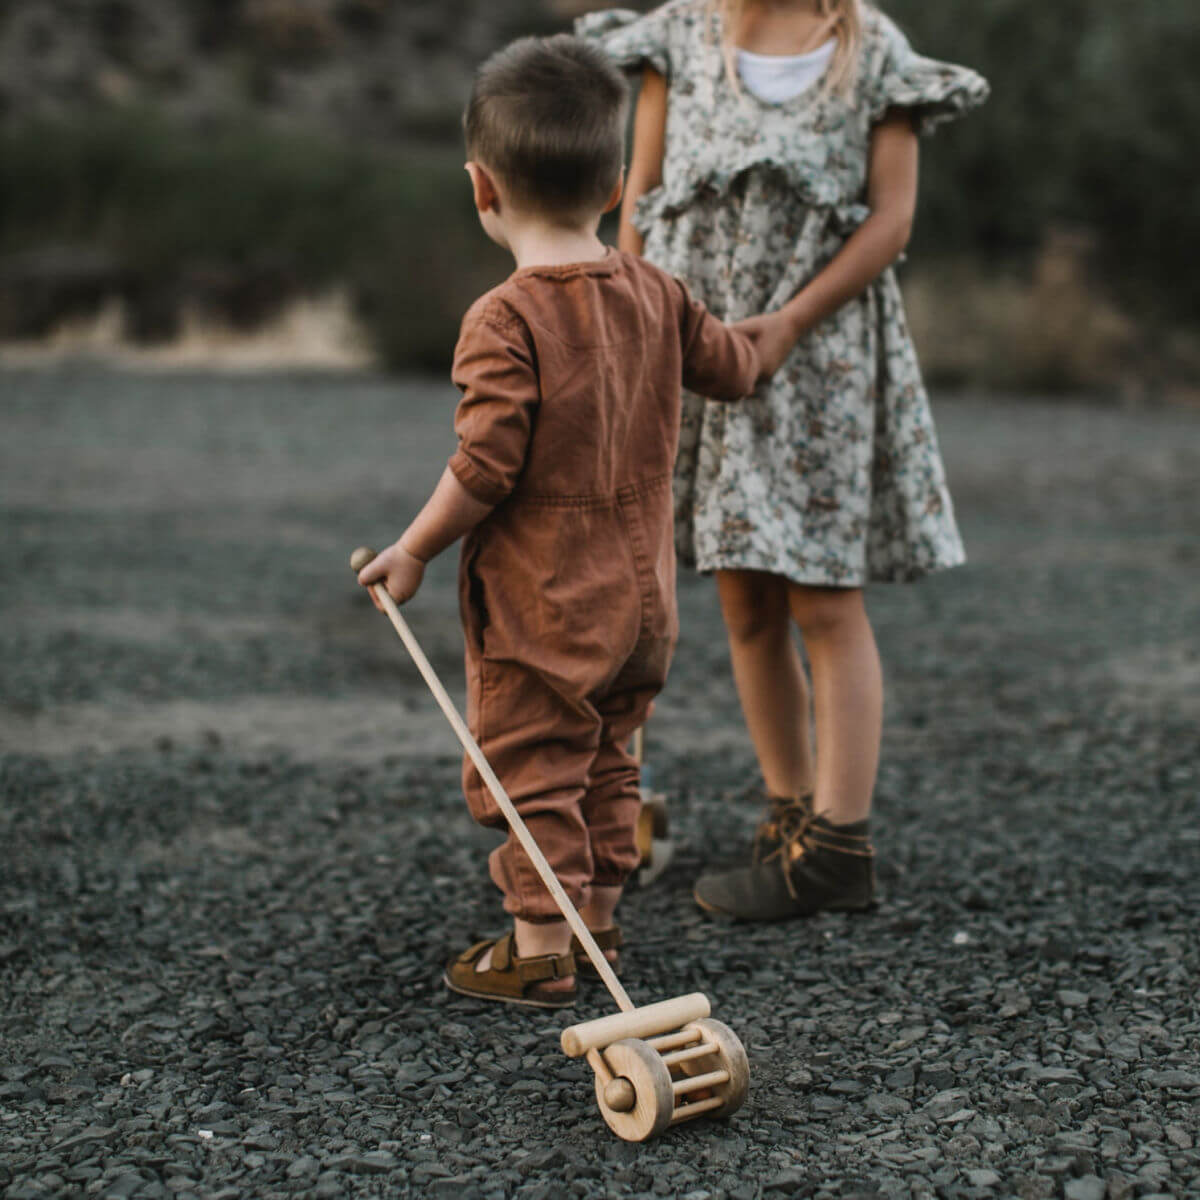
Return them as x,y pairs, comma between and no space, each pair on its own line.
830,474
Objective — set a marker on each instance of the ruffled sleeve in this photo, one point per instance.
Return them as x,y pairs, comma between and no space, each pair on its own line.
933,91
632,40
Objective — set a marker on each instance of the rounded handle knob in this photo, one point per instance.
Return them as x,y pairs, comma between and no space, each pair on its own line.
360,558
620,1095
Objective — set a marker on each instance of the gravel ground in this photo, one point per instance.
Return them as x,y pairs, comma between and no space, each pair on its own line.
233,856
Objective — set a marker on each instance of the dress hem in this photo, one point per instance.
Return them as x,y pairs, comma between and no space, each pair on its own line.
907,573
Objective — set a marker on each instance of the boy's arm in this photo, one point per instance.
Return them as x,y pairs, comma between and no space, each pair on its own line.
493,367
449,513
874,246
718,361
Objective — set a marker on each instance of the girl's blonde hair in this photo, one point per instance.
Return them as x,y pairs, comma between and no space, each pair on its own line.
843,20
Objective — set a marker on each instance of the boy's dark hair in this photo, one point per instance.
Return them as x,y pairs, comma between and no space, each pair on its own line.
548,116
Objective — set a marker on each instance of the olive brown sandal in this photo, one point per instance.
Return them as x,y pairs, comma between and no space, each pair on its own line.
607,940
819,867
509,978
784,816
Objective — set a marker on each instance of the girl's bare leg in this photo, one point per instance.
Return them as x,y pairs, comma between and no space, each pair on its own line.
828,864
769,676
847,697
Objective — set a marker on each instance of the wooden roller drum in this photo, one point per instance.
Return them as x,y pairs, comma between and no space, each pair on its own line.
645,1084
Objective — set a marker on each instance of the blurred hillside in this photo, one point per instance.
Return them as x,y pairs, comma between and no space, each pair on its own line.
374,68
174,165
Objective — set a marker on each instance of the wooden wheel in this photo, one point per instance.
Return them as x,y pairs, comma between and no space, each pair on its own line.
651,827
653,1099
654,806
729,1056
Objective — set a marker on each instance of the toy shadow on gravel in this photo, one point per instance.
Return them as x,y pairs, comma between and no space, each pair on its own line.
234,856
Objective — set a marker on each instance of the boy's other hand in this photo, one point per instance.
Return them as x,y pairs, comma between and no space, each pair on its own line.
773,337
399,572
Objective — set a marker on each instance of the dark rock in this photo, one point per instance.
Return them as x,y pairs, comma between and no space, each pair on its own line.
376,1162
94,1134
1182,1081
938,1078
786,1181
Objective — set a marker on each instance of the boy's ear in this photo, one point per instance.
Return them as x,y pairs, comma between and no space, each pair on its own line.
486,195
615,195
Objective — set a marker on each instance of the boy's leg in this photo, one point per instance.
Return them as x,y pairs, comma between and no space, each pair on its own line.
614,799
541,747
610,811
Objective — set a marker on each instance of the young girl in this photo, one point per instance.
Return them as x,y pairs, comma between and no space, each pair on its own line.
774,168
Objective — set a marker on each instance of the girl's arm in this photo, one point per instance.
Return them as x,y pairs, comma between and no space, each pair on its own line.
645,167
874,246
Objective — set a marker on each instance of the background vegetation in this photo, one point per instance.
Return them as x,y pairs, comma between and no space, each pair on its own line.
1091,124
1087,143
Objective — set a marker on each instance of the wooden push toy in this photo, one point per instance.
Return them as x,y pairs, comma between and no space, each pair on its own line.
655,1066
655,848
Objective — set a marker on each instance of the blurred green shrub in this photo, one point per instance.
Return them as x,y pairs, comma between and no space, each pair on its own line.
1089,129
1091,125
396,226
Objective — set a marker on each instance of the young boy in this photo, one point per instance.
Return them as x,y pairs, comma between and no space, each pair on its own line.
570,373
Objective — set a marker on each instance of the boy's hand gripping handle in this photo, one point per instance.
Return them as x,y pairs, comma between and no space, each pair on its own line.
358,560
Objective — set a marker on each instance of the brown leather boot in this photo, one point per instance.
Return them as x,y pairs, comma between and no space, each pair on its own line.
819,868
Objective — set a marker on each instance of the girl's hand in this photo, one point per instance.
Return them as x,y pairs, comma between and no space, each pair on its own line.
400,572
774,336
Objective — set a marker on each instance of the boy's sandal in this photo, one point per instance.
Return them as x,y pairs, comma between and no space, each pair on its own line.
606,939
509,978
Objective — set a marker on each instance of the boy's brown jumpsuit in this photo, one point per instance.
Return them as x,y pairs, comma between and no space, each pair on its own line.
568,424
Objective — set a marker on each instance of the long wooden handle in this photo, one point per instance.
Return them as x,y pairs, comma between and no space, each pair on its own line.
358,560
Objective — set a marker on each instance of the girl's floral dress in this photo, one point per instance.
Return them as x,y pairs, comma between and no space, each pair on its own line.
830,474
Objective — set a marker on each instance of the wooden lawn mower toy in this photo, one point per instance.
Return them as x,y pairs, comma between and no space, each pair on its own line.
655,1066
655,848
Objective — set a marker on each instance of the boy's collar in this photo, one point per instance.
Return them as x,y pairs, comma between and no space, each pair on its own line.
594,266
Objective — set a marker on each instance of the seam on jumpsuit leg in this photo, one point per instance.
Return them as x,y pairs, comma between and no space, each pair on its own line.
627,500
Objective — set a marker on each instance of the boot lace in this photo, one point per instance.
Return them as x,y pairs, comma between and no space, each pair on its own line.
785,824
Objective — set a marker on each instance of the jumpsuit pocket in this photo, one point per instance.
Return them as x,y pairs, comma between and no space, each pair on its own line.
472,602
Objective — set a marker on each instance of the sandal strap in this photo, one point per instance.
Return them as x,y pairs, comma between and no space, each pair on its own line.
545,966
473,953
606,939
536,968
502,952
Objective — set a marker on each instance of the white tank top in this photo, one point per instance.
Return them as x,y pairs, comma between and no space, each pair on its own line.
779,77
